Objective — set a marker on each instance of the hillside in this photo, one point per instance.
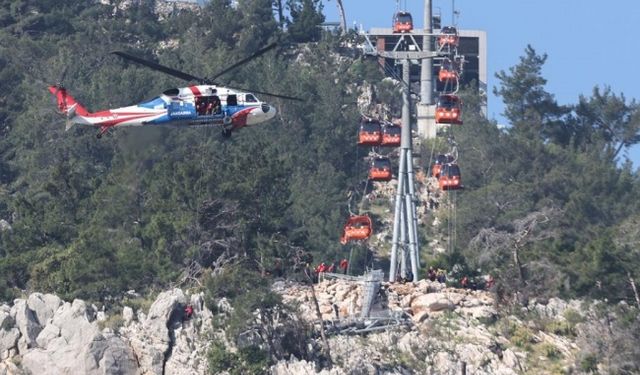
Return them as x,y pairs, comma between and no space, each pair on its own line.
441,330
550,209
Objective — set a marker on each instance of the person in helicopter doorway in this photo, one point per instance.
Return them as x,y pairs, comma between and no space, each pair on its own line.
216,108
209,107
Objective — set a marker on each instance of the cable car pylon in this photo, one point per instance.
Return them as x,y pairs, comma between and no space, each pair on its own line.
405,222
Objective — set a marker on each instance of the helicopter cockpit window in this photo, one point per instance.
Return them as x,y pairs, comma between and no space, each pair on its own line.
250,98
172,92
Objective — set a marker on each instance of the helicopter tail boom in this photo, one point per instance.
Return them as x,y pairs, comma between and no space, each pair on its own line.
66,104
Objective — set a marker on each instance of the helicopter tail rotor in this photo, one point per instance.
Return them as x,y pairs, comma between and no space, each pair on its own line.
66,104
59,86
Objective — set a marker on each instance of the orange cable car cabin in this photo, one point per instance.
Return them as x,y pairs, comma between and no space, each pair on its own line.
450,178
448,37
380,169
370,133
448,110
447,71
402,22
357,228
391,135
441,160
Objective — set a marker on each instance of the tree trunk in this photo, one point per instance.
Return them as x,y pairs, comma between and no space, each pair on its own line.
516,261
635,290
343,17
278,4
325,343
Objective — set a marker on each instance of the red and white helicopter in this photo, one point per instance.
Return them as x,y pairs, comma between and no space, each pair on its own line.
204,104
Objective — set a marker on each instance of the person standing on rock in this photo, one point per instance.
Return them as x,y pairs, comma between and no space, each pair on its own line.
188,312
490,282
344,264
431,274
464,282
332,267
441,277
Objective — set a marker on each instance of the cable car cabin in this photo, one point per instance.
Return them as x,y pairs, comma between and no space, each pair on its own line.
391,135
441,160
450,178
447,71
402,22
357,228
448,37
380,169
448,110
370,133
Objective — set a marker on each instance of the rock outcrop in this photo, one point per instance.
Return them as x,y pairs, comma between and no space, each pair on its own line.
450,328
447,329
45,335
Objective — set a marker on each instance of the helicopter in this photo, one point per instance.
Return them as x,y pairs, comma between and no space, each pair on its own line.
204,104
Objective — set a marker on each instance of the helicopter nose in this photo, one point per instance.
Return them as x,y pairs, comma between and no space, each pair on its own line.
264,113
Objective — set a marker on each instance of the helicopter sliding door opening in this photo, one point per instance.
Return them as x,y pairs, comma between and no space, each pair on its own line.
208,105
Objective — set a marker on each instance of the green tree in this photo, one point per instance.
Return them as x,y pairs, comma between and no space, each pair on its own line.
306,17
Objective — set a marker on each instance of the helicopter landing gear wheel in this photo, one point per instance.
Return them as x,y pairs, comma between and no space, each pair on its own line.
99,135
226,133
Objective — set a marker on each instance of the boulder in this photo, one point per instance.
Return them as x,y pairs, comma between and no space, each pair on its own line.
8,368
43,306
27,323
511,360
431,302
74,320
49,333
72,343
479,312
151,341
9,336
127,315
420,317
117,357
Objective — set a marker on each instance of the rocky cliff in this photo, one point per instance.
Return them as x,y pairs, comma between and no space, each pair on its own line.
44,335
446,329
450,329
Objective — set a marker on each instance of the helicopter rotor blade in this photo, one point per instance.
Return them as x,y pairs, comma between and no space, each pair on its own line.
270,94
244,61
159,67
189,77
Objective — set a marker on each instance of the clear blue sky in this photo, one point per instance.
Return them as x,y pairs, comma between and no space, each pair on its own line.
588,42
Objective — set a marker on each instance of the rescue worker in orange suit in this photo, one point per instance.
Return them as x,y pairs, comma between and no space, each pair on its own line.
321,268
344,264
464,282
